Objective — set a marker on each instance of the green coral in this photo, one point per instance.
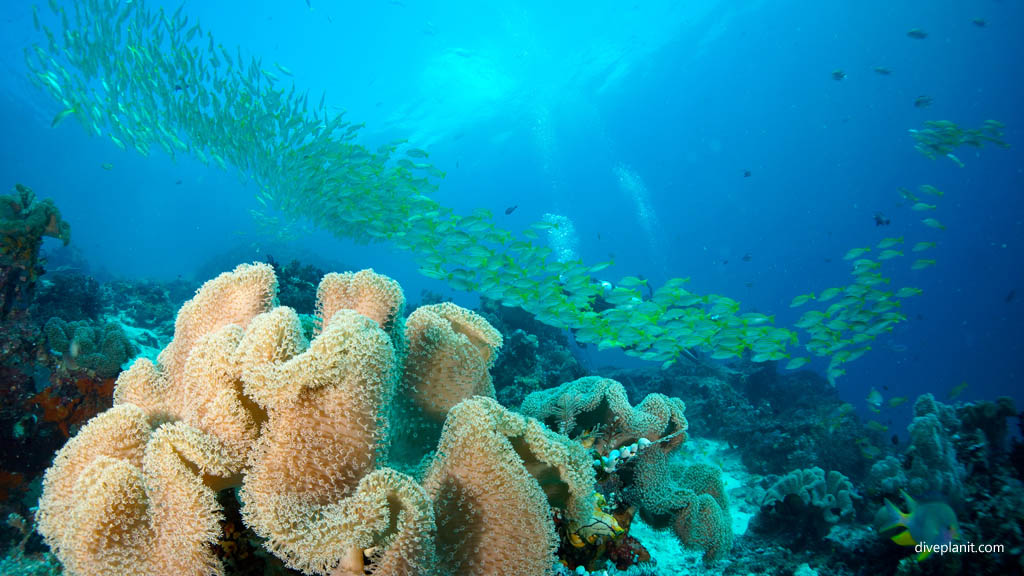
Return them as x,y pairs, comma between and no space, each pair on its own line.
83,345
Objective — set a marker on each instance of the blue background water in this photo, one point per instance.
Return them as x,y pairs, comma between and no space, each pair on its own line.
637,121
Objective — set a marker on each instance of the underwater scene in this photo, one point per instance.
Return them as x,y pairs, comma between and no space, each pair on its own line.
520,288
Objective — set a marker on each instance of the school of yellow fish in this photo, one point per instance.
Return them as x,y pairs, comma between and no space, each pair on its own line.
151,80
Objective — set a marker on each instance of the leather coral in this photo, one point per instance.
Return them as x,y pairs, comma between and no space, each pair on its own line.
134,492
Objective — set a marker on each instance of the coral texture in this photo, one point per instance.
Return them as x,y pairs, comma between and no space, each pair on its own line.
325,431
308,430
599,405
451,350
933,466
139,481
831,493
493,483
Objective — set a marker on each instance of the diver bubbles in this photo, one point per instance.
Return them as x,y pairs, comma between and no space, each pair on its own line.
632,184
562,237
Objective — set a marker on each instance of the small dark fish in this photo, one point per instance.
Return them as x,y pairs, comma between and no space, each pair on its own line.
838,75
895,439
923,101
747,257
881,220
177,182
917,34
1010,296
725,261
746,173
748,284
979,22
309,5
511,209
882,70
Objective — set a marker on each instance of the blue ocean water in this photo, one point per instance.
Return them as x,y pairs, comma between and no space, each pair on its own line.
637,121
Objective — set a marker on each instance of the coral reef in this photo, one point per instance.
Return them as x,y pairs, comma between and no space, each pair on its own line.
99,349
296,283
632,447
69,296
308,430
534,356
958,455
778,421
931,461
24,222
805,504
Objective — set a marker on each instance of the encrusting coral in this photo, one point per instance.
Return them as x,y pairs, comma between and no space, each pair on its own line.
308,429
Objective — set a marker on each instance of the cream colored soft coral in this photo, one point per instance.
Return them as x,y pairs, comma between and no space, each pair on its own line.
450,352
388,527
134,491
165,390
123,498
494,481
325,428
373,295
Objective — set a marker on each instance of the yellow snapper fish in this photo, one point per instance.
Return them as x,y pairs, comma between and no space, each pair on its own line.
875,398
931,523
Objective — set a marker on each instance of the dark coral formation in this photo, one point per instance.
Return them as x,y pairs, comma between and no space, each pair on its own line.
99,349
777,421
805,504
297,283
24,222
535,356
68,295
